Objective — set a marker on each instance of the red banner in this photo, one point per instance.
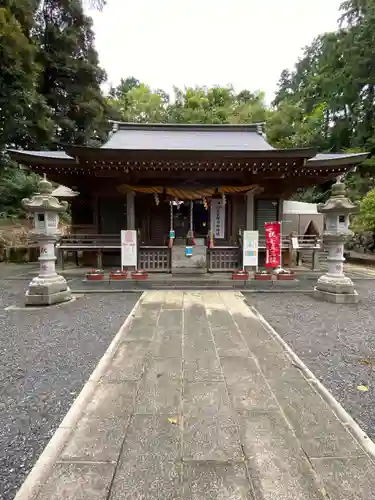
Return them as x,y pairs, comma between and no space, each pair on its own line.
273,244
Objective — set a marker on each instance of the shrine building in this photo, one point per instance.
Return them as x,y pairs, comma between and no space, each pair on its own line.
173,181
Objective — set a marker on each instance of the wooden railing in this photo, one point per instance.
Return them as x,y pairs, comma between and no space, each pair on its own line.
158,258
90,242
304,241
223,258
229,258
154,259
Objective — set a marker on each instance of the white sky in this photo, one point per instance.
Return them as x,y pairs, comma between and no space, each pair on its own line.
246,43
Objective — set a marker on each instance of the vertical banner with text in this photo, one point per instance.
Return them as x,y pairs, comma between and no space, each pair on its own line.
128,248
273,244
218,218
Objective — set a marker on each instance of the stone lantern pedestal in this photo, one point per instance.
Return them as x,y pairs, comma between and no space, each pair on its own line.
48,287
334,286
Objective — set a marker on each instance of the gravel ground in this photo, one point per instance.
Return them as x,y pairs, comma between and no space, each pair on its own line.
46,356
336,342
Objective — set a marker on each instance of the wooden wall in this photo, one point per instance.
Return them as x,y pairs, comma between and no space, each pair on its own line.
152,220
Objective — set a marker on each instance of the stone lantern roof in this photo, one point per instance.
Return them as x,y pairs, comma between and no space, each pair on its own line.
338,201
44,200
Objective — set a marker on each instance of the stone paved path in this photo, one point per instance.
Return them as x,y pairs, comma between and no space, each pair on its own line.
200,402
360,270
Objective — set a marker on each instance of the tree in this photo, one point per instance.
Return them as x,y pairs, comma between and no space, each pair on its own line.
125,86
216,105
365,220
16,184
359,19
49,86
71,76
288,126
24,12
328,100
24,117
133,101
136,102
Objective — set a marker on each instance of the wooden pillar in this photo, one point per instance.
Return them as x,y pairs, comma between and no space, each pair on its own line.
280,214
281,209
250,211
99,259
60,258
130,210
315,262
95,208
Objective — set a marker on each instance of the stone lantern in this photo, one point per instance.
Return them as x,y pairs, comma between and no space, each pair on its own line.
48,287
334,286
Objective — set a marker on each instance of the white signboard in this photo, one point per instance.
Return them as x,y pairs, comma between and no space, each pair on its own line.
218,218
295,243
128,248
250,248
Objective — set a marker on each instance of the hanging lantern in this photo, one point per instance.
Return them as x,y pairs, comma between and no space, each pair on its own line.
156,198
205,203
223,199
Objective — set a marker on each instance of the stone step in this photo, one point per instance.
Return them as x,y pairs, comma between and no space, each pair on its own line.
79,285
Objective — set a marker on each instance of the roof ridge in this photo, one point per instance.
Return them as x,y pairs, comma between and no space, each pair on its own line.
232,127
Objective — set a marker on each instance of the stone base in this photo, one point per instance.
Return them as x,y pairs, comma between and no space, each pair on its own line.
47,291
197,263
48,300
336,298
335,284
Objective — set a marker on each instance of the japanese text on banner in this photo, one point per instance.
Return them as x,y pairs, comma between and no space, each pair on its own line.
128,248
218,218
273,244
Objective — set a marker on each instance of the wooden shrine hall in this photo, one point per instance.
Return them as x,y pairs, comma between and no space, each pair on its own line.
203,182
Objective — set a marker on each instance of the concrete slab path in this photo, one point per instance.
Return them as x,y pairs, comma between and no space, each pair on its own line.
197,400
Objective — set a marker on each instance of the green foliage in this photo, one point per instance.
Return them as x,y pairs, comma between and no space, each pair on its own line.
71,76
24,117
133,101
23,11
125,85
365,220
216,105
316,194
15,184
328,100
49,86
290,126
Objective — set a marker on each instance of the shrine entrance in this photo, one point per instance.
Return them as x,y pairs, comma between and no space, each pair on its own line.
200,219
190,215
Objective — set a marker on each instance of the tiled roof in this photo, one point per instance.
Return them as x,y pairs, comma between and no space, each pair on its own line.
130,136
53,155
